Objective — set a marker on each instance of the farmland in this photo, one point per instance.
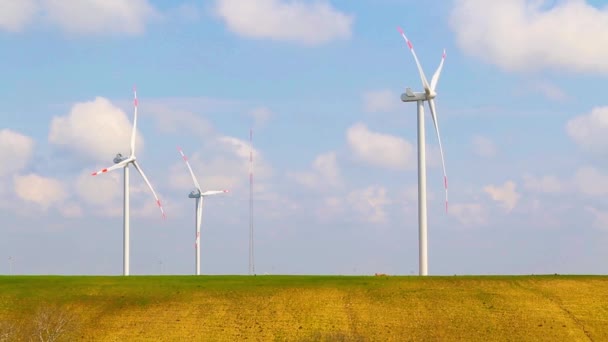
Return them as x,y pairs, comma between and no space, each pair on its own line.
306,308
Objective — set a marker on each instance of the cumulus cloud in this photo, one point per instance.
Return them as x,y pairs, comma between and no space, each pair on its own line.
241,149
533,34
370,203
590,131
325,172
221,164
549,90
545,184
81,17
174,120
384,100
330,207
312,23
484,147
100,191
468,214
16,14
506,194
379,149
600,218
260,115
15,151
40,190
590,181
95,130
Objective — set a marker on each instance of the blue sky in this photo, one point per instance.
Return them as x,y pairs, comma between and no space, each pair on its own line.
521,111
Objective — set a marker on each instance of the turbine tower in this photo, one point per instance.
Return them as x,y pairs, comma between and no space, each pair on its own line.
199,196
428,95
251,255
123,162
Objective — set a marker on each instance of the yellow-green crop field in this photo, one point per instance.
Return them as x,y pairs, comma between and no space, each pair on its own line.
304,308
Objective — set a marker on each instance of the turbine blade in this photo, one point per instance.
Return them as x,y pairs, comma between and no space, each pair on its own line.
189,168
135,104
143,175
445,177
425,83
437,73
113,167
214,192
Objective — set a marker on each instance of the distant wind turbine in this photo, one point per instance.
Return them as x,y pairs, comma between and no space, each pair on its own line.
123,162
428,95
199,195
251,250
11,260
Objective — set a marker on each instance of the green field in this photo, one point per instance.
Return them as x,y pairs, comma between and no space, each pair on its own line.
305,308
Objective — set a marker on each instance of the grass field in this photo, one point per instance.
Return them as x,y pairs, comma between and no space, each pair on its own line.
305,308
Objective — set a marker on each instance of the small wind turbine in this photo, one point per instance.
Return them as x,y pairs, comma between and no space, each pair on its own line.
428,95
124,162
199,195
11,260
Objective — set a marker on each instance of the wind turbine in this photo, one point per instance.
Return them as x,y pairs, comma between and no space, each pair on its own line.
428,95
123,162
11,260
199,195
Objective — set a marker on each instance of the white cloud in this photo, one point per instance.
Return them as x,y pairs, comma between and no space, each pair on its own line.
600,218
177,114
527,35
71,210
82,17
505,194
590,131
16,14
327,166
325,173
40,190
370,203
225,165
549,90
96,130
468,214
310,23
241,149
380,101
589,181
330,207
186,11
260,115
100,16
379,149
545,184
484,147
15,151
102,190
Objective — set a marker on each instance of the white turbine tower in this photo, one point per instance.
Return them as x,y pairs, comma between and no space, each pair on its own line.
428,95
199,195
123,162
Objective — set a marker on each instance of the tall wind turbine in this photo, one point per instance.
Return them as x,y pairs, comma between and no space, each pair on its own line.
199,195
428,95
123,162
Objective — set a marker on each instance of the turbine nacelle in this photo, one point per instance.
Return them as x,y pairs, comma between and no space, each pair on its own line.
410,96
195,194
119,158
